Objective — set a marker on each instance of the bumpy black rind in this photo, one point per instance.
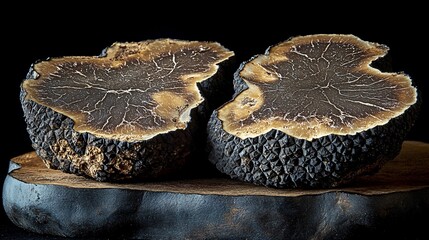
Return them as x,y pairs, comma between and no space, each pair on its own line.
276,159
165,155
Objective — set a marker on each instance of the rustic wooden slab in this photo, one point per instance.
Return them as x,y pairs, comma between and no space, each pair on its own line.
389,203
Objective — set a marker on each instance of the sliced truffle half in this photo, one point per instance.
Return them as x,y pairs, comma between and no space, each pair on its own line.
312,112
132,112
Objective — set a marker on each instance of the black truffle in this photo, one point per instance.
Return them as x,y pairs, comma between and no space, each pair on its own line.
312,112
132,112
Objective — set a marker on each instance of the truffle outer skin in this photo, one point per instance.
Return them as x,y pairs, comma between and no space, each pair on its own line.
164,155
276,159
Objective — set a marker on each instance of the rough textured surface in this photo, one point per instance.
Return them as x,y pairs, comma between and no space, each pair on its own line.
136,111
389,204
287,127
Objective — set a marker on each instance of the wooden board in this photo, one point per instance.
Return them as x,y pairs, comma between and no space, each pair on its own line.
389,203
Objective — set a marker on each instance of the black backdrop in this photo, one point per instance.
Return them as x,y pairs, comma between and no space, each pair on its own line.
34,34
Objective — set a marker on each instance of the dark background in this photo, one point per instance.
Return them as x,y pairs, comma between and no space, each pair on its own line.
33,33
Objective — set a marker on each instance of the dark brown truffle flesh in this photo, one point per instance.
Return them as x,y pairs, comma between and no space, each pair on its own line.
312,112
131,112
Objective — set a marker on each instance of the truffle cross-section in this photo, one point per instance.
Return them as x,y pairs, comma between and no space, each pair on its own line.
135,92
312,112
313,86
136,111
